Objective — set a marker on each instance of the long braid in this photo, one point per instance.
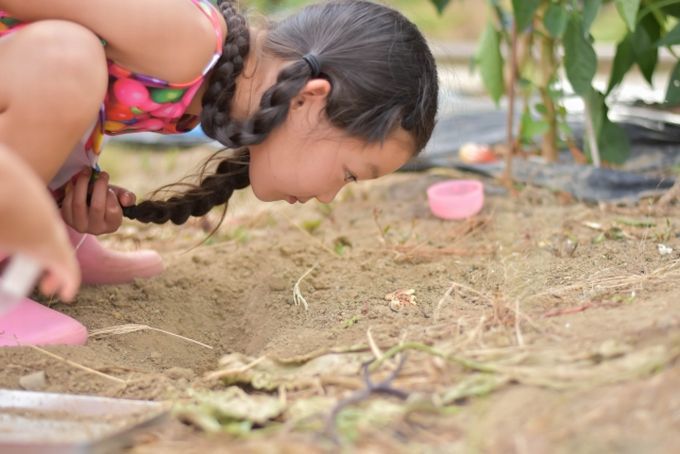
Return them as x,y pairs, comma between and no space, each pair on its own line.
231,174
222,84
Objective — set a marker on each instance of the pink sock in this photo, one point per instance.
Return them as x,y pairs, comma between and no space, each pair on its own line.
31,323
104,266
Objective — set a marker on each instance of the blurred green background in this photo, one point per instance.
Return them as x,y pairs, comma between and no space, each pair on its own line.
463,20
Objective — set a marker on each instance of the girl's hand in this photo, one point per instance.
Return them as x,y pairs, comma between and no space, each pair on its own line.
97,211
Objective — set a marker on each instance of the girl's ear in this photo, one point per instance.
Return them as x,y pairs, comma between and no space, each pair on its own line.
314,90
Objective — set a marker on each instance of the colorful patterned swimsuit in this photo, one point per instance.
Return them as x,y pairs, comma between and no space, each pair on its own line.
133,103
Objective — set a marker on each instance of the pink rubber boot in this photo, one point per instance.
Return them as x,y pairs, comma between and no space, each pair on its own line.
31,323
103,266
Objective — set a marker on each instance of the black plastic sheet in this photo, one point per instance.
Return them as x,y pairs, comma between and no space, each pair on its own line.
648,171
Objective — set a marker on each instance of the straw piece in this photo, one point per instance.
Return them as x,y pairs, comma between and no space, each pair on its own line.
133,327
79,366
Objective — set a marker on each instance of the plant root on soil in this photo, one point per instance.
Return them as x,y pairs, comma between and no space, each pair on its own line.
297,294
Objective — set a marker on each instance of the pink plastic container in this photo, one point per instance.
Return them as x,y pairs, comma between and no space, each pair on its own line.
456,199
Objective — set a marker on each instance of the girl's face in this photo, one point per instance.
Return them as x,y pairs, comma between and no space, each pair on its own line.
306,157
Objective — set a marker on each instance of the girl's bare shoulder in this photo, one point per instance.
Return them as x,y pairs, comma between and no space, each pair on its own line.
169,39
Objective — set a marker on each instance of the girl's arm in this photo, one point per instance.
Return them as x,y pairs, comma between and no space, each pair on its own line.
169,39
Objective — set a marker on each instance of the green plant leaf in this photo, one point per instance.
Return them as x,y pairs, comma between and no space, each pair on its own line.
671,38
628,10
623,61
673,90
580,60
524,11
646,53
614,144
590,10
490,62
555,20
440,5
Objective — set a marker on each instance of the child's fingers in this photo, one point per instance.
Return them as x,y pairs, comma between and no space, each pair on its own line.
98,201
114,212
79,203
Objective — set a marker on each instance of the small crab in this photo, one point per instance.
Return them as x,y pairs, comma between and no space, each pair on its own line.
400,298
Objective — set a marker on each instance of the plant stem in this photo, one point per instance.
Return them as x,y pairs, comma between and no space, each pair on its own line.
590,134
549,145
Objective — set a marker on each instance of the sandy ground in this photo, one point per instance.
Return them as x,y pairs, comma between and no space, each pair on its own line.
572,308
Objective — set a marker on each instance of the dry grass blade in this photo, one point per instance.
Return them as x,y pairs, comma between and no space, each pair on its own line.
518,331
440,304
78,366
133,327
374,347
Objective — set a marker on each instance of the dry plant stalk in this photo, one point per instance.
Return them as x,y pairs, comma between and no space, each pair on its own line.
133,327
78,366
442,300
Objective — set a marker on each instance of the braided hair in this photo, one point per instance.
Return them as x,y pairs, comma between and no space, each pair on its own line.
382,75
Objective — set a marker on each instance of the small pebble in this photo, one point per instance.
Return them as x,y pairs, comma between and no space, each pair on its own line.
34,382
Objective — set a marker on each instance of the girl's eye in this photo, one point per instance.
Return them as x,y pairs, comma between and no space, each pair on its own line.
349,177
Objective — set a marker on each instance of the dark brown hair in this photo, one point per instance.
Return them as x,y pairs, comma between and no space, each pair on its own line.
382,73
